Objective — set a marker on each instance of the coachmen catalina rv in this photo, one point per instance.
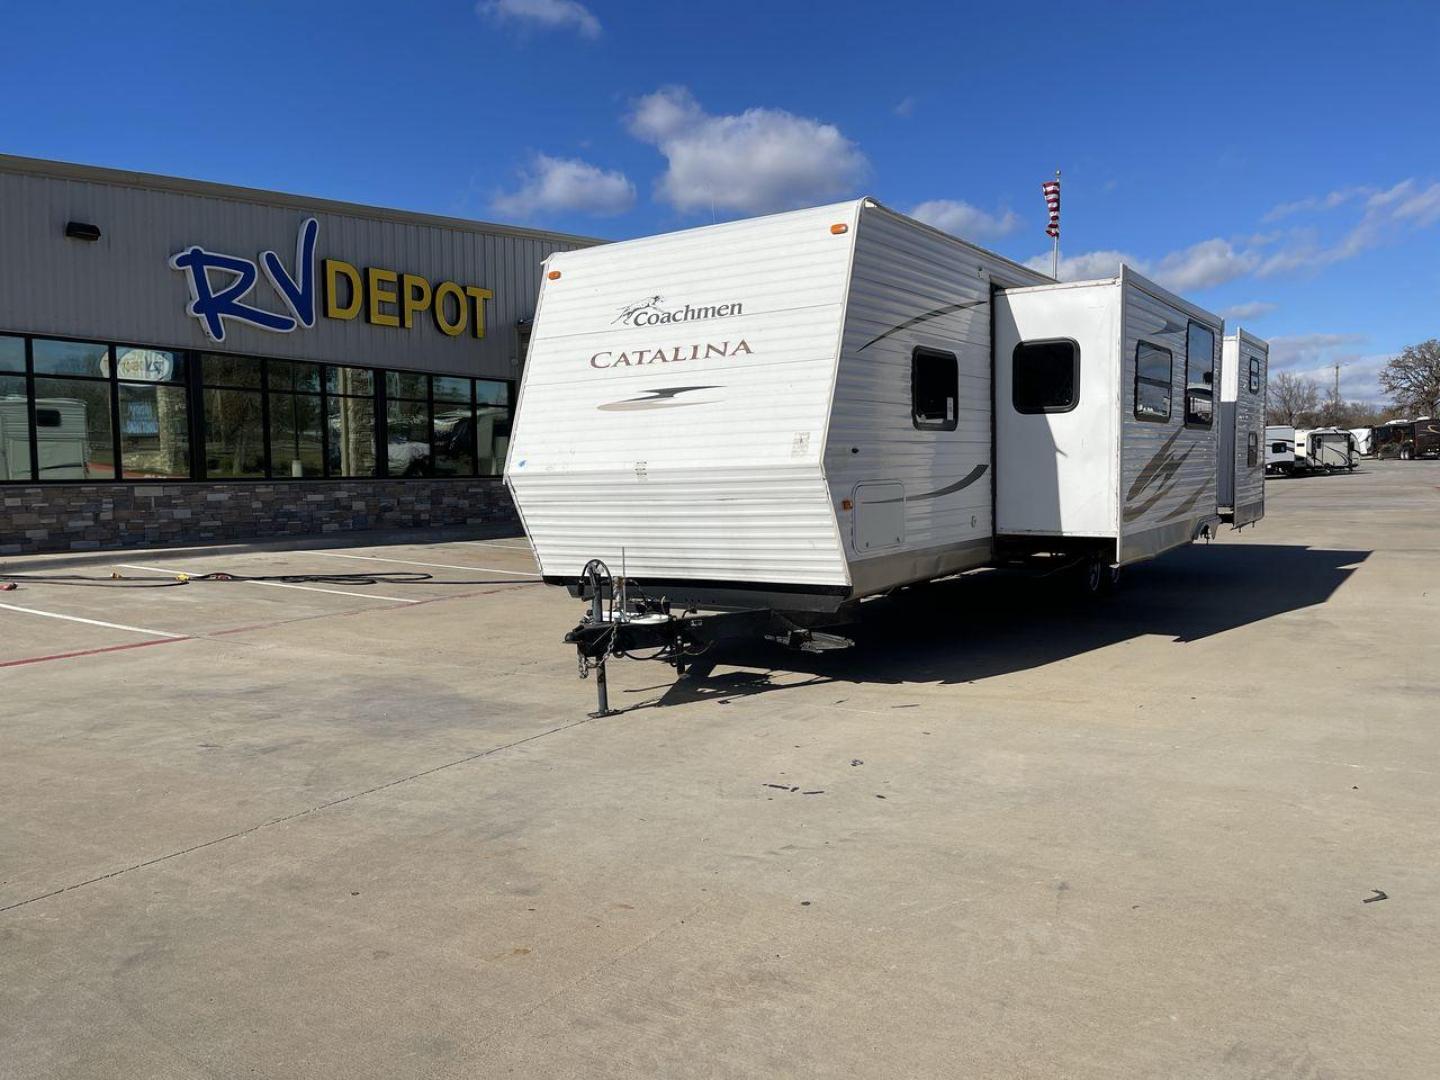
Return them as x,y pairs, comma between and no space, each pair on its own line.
1279,450
1242,428
773,419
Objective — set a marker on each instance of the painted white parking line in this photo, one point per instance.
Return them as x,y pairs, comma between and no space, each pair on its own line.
504,545
276,584
94,622
414,562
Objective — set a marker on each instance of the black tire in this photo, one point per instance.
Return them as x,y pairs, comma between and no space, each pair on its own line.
1090,578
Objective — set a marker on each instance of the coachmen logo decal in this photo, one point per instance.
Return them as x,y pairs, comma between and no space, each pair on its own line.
651,311
662,397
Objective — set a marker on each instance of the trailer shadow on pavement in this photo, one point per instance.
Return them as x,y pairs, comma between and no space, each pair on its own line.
995,623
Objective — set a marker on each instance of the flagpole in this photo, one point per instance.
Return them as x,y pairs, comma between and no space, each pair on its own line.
1055,244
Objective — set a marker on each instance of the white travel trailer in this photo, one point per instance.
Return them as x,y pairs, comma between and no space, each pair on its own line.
1279,450
1364,440
791,413
1242,427
1324,448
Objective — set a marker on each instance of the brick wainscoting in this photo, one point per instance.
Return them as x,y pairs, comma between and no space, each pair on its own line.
87,517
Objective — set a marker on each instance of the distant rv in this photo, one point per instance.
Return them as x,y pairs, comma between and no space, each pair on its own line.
1364,440
1324,449
1279,450
1407,440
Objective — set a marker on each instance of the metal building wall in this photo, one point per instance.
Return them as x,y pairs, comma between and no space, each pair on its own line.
121,288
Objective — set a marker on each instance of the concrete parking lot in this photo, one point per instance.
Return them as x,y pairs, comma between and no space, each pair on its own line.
345,830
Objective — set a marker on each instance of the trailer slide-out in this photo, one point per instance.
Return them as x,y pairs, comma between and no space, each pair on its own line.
762,423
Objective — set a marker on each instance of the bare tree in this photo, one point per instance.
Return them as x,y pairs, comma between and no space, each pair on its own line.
1292,400
1412,379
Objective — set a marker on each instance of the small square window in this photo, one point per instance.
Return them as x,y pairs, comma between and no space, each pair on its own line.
934,390
1045,376
1254,374
1252,450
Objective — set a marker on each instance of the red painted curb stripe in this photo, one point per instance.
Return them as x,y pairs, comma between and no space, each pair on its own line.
90,652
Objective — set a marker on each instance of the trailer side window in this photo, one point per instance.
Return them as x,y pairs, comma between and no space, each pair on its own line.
1254,374
1252,450
934,390
1199,375
1279,448
1154,370
1045,376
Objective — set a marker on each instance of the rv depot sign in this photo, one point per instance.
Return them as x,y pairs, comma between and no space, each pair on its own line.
384,297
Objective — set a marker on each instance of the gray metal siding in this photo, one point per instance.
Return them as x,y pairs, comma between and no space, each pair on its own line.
122,288
903,272
1167,470
1250,416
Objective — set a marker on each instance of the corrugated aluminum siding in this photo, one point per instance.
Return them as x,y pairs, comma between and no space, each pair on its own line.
904,272
1250,417
122,288
1167,470
725,484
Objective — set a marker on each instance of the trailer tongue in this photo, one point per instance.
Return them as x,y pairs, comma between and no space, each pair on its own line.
622,620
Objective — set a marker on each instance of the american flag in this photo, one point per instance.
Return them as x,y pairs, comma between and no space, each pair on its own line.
1051,188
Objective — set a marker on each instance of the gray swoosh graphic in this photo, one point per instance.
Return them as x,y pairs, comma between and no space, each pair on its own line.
946,310
949,489
662,397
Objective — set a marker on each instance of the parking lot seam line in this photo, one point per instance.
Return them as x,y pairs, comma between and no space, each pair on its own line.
414,562
277,584
93,622
284,819
91,652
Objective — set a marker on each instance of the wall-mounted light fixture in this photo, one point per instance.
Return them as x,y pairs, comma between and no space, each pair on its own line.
82,230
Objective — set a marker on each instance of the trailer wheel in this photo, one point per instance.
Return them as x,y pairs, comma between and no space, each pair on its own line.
1404,453
1091,578
1111,579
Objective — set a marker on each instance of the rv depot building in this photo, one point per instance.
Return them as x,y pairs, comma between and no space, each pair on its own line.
184,361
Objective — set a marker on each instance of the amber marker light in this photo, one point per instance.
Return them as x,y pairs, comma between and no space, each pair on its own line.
554,275
846,504
839,228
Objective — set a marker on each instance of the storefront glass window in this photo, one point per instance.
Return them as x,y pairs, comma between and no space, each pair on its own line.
238,371
71,358
408,437
154,432
492,425
352,436
350,381
12,354
407,384
291,375
234,435
73,436
14,425
296,449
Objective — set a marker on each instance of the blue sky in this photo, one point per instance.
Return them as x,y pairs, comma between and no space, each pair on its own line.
1278,163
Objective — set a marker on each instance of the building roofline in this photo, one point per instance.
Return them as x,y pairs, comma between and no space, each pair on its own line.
64,170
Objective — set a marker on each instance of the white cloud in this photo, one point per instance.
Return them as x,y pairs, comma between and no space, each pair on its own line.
543,14
751,162
1203,266
1200,266
1311,350
964,220
905,106
1252,309
560,185
1317,202
1087,266
1387,215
